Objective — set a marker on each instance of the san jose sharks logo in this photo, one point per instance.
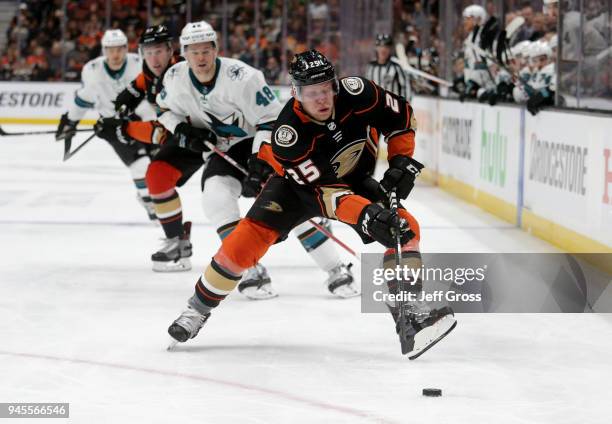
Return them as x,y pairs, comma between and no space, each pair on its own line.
228,127
235,72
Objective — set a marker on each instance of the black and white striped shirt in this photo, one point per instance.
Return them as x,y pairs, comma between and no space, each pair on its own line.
390,76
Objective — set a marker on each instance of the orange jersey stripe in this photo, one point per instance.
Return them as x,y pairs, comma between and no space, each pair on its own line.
265,153
141,82
350,208
401,144
141,130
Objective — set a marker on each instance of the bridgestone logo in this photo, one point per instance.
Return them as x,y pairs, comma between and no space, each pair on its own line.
20,99
558,165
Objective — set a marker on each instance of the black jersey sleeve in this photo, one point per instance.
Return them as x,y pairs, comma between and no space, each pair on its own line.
389,113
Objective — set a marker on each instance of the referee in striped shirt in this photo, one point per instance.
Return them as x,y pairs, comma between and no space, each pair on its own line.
386,71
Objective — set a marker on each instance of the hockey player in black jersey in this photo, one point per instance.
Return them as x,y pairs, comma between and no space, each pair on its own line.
323,149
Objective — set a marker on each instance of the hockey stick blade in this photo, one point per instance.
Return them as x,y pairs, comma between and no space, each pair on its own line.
402,59
67,142
172,345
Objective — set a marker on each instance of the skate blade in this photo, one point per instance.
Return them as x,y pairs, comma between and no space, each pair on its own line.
429,336
172,344
264,292
347,291
182,265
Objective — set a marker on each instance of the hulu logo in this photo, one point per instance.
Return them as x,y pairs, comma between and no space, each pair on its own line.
493,154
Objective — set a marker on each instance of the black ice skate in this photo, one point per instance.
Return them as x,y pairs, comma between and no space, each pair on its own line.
174,253
186,326
341,282
421,327
256,284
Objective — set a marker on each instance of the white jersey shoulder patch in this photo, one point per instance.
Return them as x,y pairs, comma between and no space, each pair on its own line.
285,136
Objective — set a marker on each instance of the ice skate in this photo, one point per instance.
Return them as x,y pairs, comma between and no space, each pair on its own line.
341,282
422,327
256,284
186,326
174,253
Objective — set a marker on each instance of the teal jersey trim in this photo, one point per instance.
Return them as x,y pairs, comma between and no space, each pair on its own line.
118,73
205,88
83,103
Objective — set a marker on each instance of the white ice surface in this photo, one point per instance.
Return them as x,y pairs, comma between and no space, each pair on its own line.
83,320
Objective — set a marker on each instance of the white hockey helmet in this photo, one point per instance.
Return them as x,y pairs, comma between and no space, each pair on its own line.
197,32
538,49
114,38
552,43
475,11
522,49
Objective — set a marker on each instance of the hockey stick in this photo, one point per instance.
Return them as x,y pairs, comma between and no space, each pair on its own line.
4,133
67,143
400,52
121,113
393,205
319,227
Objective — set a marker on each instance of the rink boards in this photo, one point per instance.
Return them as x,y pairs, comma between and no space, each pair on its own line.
550,174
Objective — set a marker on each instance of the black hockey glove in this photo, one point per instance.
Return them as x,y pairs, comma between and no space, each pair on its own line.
192,138
504,90
113,130
66,128
537,102
493,98
401,174
259,171
128,100
381,225
459,86
484,96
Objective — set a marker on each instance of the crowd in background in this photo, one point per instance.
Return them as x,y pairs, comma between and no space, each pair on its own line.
35,51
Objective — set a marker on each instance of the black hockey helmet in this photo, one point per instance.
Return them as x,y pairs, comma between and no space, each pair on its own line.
311,67
384,40
156,34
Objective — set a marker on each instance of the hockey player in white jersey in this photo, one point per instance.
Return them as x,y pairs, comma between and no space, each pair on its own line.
543,83
102,80
476,72
526,72
233,101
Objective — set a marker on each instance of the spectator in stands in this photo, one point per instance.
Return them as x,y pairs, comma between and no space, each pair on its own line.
272,70
527,30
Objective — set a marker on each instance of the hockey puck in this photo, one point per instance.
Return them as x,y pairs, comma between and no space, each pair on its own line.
432,392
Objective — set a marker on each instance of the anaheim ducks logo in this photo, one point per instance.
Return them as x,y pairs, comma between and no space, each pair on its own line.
272,206
353,85
285,136
345,160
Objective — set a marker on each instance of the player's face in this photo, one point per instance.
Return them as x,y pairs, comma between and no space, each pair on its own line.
318,100
201,58
115,56
383,53
468,24
157,57
540,61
